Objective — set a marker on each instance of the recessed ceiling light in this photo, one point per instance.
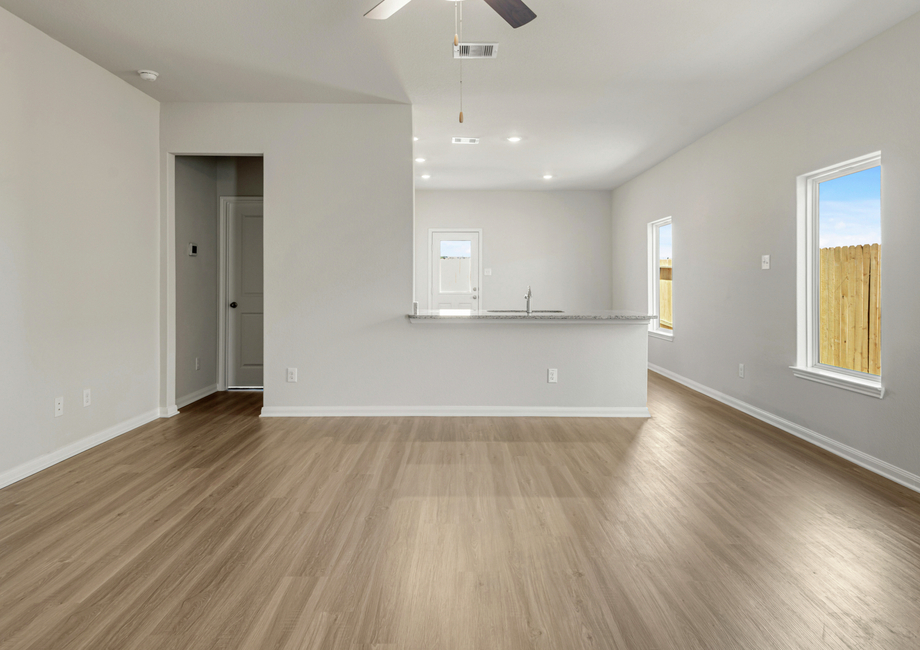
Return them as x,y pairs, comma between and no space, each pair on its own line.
419,160
414,138
514,138
426,176
547,177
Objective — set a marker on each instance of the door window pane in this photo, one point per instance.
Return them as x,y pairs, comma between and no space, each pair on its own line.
665,270
849,233
455,267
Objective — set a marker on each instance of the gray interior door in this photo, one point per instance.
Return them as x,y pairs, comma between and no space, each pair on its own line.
245,338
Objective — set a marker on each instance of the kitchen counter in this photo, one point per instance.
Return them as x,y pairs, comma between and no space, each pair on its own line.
570,364
463,315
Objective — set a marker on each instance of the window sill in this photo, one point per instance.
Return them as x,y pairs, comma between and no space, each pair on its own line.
870,387
659,334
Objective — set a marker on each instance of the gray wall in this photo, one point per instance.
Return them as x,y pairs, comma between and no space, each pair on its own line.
200,182
239,175
557,242
732,196
79,187
196,277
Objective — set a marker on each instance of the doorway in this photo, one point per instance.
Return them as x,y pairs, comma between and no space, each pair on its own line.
454,273
204,189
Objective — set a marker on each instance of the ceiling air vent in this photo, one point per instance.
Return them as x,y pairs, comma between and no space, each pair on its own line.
464,140
476,51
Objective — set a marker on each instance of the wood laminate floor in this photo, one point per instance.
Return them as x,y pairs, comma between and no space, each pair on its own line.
699,528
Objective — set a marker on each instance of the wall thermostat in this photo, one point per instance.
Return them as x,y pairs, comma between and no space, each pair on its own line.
192,250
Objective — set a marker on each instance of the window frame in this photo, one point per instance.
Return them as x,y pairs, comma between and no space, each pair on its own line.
654,277
808,306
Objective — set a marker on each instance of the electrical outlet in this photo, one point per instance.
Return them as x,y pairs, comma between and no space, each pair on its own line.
765,262
197,363
292,375
552,376
87,397
58,407
741,370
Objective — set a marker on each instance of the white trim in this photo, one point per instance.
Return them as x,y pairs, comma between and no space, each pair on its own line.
855,456
455,411
43,462
168,411
857,384
661,334
431,232
808,300
197,395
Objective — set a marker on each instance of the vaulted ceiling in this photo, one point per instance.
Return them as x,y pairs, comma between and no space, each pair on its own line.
598,90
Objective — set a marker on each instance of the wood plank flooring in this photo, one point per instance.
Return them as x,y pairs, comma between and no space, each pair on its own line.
699,528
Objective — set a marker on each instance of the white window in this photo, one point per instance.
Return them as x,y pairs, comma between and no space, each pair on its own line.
839,276
660,276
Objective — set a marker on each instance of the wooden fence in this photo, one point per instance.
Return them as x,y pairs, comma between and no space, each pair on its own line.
850,309
664,294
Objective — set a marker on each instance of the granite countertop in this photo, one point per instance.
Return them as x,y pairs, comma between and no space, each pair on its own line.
613,316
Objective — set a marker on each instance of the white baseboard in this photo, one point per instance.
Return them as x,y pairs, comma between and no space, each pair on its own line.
43,462
168,411
454,411
197,395
855,456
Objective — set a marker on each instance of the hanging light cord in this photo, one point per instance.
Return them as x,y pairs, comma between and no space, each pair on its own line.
459,32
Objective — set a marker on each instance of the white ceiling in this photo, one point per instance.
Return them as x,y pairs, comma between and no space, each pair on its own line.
600,90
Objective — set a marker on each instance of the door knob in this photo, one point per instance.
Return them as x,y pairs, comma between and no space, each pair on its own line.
474,297
232,305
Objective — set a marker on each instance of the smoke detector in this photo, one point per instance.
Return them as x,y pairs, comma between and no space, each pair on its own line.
148,75
476,51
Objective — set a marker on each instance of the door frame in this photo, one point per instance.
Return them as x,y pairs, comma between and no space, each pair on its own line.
431,234
167,272
224,275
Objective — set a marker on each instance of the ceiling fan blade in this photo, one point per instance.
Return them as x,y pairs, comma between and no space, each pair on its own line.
385,9
515,12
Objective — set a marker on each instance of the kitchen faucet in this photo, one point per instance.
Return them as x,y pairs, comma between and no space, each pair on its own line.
527,297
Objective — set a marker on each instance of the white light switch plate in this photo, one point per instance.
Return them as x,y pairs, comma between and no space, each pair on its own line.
487,271
765,262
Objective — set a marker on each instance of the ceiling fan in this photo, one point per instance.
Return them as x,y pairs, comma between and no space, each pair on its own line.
515,12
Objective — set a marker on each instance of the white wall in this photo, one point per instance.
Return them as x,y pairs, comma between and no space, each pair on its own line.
79,186
732,196
559,243
339,201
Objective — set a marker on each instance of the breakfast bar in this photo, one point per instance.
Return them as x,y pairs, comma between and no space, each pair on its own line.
546,363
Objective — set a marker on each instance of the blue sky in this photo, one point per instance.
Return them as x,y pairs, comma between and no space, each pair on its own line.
664,242
850,209
456,249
